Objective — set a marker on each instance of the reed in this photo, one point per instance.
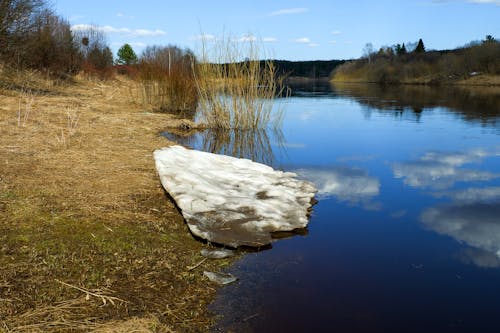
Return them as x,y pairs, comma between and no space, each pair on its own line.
235,89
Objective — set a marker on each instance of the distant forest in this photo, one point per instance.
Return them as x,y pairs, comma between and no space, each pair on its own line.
397,64
309,69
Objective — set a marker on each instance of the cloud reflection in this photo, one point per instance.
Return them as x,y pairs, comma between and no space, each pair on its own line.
442,170
480,258
473,217
352,185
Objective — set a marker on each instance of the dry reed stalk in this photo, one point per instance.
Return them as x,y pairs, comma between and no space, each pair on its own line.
26,102
235,89
100,294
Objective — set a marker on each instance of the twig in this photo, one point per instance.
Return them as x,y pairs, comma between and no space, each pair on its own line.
104,298
190,268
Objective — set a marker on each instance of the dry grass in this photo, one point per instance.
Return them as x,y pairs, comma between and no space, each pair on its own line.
234,90
81,203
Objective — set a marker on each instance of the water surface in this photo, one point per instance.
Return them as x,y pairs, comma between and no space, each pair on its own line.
406,234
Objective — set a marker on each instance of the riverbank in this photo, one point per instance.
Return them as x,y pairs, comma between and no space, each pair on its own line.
476,80
89,239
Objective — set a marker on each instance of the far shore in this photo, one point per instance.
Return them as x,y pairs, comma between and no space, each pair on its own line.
478,80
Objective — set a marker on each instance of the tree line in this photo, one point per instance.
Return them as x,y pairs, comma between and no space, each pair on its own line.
33,36
400,64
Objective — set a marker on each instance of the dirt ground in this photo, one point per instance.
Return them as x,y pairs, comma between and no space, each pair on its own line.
89,240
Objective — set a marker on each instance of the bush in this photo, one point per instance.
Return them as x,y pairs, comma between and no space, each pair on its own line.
95,51
166,76
33,36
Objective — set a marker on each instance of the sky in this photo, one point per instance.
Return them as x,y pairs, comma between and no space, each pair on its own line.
288,29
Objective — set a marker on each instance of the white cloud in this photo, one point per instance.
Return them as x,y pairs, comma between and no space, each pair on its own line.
288,11
205,37
269,40
246,38
313,45
336,32
332,42
495,2
123,31
302,40
150,33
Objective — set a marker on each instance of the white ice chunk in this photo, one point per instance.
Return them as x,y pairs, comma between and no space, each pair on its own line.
233,201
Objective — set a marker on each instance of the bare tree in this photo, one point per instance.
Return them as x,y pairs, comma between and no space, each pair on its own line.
368,51
17,20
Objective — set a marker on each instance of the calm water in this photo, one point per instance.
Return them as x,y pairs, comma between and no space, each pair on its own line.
406,234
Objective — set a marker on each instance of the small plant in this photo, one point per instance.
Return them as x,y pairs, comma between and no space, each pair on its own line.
235,89
26,102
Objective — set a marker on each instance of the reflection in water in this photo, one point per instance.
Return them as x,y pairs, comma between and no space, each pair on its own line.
442,170
257,145
473,215
476,222
473,103
480,258
250,144
347,184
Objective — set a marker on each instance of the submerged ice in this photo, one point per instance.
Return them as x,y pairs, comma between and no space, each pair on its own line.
233,201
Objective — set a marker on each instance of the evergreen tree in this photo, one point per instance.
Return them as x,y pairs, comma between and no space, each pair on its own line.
420,47
489,39
126,55
400,49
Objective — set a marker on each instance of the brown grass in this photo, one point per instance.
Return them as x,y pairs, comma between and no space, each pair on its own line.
88,239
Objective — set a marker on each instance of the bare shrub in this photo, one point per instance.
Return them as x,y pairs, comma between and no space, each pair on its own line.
96,53
17,20
166,76
32,36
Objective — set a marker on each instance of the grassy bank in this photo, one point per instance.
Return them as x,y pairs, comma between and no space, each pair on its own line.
475,64
88,239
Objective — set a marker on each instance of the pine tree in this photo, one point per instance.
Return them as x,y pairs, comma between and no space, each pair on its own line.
126,55
420,47
400,49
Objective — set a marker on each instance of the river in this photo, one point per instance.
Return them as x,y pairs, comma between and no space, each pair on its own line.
406,234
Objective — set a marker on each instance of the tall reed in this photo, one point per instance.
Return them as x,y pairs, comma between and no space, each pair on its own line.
235,88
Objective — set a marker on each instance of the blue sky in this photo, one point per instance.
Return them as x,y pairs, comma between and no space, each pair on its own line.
291,30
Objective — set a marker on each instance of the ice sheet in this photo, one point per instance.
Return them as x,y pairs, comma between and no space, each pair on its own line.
233,201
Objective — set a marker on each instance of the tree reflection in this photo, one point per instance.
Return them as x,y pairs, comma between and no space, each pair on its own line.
258,145
472,102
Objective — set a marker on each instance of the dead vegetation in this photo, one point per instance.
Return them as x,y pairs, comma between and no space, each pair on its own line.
88,239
